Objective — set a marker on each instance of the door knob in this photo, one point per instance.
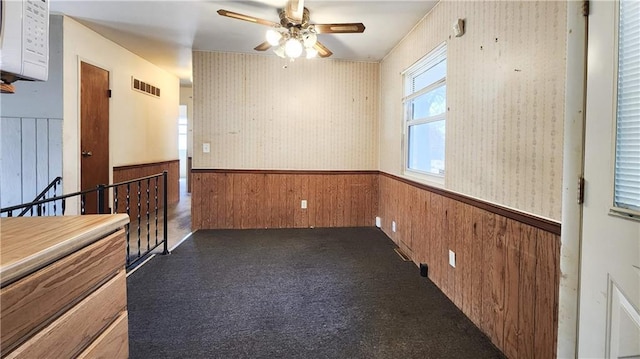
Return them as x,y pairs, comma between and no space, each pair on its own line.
87,154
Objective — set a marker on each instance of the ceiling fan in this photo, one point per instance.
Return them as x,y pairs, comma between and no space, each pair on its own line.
295,33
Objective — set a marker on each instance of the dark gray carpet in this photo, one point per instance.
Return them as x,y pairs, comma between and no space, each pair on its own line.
293,293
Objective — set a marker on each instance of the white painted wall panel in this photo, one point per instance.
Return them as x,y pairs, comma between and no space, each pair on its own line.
42,153
29,163
11,181
55,155
31,157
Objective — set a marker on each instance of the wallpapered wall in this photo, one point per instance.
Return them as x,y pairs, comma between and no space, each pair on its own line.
505,93
256,114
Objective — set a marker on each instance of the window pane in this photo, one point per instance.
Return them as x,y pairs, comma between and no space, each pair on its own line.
627,168
429,104
182,142
426,147
182,111
430,76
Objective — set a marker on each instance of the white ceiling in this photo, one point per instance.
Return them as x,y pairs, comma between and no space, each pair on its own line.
165,32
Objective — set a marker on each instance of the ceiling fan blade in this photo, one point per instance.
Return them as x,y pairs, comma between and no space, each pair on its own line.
255,20
322,50
263,46
355,27
294,10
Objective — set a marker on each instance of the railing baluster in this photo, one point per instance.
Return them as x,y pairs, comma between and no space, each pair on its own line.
128,202
83,200
139,209
156,205
115,199
164,219
64,205
100,199
148,225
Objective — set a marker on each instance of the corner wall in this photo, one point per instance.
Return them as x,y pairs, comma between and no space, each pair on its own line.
142,128
505,98
500,207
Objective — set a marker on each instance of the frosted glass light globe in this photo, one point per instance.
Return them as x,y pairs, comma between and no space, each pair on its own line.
273,37
309,39
311,52
279,51
293,48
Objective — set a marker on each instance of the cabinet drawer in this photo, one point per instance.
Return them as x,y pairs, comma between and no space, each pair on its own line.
80,325
34,301
113,343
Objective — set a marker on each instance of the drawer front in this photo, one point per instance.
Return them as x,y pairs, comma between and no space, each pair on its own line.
113,343
80,325
30,303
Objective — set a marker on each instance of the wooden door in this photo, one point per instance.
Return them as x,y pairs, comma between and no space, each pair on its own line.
609,324
94,132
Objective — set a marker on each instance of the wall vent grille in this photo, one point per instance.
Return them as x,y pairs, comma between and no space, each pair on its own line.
144,87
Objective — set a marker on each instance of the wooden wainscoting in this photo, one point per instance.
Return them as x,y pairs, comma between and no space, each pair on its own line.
506,277
272,199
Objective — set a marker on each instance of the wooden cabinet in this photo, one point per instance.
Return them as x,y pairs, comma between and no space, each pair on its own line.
63,287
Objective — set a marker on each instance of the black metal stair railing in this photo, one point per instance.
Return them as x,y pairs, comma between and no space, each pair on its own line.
140,208
50,191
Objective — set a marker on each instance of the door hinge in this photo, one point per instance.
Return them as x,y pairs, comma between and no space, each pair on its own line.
109,93
585,8
580,190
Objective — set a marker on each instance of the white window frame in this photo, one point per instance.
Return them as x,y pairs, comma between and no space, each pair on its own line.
433,58
617,210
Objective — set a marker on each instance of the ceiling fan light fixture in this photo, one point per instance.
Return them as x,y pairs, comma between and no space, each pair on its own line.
273,37
293,48
309,39
311,53
280,51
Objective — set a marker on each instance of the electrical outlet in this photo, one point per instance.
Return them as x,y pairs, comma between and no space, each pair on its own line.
452,258
303,204
378,222
393,226
206,147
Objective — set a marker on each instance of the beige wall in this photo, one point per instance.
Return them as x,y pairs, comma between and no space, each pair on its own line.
505,92
142,128
315,114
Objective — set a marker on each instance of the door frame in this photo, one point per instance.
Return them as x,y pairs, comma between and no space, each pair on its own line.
80,60
572,172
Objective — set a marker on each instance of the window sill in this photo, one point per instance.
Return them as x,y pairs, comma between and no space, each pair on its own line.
624,214
430,180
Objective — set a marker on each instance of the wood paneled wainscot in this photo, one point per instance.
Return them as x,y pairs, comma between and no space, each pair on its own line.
272,199
506,274
63,287
129,172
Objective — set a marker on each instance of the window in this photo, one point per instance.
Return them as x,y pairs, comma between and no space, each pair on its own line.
627,159
425,107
